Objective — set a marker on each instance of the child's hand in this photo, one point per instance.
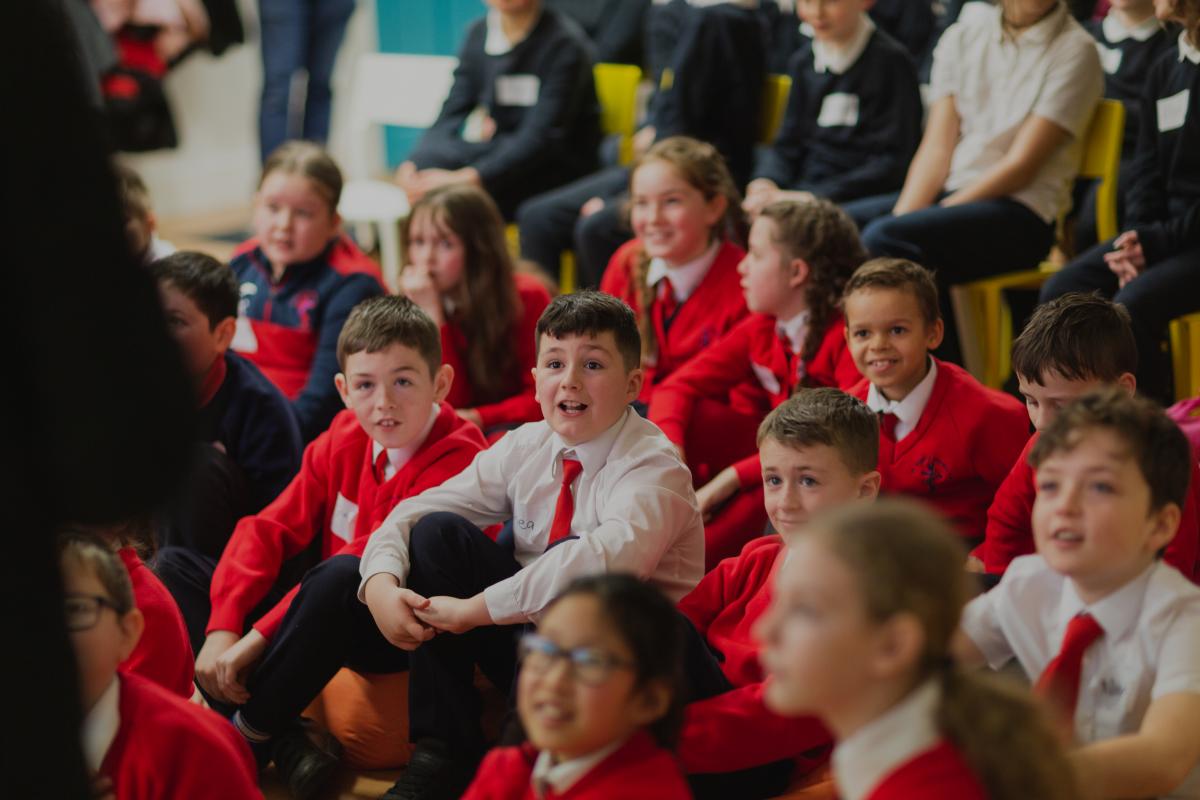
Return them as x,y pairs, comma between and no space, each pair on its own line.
407,177
643,139
1127,260
416,283
206,661
470,415
393,608
710,496
759,193
102,787
455,615
235,665
592,206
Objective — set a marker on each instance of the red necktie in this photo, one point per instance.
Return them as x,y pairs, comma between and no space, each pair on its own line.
887,436
564,509
1060,680
667,306
381,462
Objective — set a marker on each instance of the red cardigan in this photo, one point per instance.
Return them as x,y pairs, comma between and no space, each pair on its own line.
520,407
168,748
940,773
336,497
714,308
638,770
164,653
963,447
734,730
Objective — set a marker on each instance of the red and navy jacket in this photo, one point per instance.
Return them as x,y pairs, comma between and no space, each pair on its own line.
940,773
638,770
520,406
714,308
164,653
735,730
335,497
967,440
290,329
167,748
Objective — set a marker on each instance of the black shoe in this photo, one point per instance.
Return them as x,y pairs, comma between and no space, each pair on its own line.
432,774
307,759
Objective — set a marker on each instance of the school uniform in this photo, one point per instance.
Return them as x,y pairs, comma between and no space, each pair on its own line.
520,406
955,441
902,755
910,24
289,328
853,119
153,745
1150,637
163,654
706,294
637,769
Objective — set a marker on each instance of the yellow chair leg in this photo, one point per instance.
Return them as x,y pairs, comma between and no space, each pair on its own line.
566,272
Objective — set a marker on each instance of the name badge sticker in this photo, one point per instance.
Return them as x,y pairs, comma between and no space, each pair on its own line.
838,109
344,515
1172,111
518,90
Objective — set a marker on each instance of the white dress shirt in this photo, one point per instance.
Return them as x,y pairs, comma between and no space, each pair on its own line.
1150,647
635,511
795,330
909,410
839,59
686,277
399,456
101,724
1186,50
562,776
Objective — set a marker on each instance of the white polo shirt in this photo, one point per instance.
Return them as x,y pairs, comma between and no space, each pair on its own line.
1050,70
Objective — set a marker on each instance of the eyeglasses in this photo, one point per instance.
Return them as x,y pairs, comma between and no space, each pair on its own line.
589,665
82,611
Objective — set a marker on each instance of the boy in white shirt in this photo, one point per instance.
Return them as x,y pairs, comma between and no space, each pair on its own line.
1109,632
592,488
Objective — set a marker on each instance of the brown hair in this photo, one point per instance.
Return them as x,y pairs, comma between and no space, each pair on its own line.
898,273
135,197
591,313
486,305
829,417
908,561
1161,450
91,552
311,161
822,234
379,322
1188,12
208,283
704,168
1079,336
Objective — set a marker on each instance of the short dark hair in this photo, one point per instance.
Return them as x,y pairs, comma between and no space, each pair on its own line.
1161,450
379,322
207,282
90,551
591,313
898,273
829,417
1080,336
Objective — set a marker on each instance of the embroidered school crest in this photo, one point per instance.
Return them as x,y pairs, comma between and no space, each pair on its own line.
932,471
304,304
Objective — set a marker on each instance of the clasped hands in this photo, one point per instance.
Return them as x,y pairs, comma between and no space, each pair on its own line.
407,619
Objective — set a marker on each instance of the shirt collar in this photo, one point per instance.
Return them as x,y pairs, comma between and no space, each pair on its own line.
795,329
1116,613
1038,34
838,60
593,453
1115,32
399,456
495,43
878,748
562,776
1186,50
684,278
910,408
101,724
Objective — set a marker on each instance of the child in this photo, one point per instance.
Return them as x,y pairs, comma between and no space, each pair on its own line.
818,450
248,443
800,257
592,488
853,117
1072,345
859,634
684,209
140,741
1112,471
1150,268
141,226
299,279
522,116
597,727
942,436
461,274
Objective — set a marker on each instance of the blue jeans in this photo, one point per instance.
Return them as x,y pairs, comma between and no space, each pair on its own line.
298,35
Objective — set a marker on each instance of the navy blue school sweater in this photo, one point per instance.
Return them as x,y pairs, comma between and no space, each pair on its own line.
851,135
1126,63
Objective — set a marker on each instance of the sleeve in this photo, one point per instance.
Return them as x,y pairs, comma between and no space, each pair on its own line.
702,604
1177,667
318,401
783,161
521,407
749,471
464,96
1074,83
981,623
946,70
210,762
270,448
1009,533
999,437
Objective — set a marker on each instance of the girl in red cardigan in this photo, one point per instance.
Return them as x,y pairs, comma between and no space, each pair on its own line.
599,698
859,633
680,274
461,274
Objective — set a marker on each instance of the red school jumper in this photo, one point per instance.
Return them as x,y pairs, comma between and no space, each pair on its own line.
167,748
940,773
164,653
520,407
735,730
714,308
967,440
336,497
638,770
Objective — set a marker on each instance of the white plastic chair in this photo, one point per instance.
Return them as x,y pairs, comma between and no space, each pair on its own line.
389,89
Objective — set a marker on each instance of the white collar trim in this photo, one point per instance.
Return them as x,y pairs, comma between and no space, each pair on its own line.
101,724
909,409
1186,50
562,776
399,456
827,58
1115,32
795,329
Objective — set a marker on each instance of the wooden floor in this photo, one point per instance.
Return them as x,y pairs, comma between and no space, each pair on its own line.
216,233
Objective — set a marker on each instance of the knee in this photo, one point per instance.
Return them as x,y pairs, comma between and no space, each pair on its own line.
333,577
433,539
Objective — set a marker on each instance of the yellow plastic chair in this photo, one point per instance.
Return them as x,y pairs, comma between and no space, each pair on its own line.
983,315
774,104
1185,355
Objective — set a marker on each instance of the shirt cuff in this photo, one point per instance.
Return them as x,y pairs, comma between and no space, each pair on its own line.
501,601
381,565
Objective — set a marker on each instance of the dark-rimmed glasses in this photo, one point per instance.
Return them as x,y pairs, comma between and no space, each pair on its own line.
82,611
589,665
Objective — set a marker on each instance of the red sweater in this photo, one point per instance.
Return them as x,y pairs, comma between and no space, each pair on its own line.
164,653
1010,528
168,748
750,367
520,407
963,447
734,730
638,770
940,773
336,497
714,308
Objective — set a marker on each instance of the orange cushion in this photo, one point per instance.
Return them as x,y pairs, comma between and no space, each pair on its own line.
369,716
